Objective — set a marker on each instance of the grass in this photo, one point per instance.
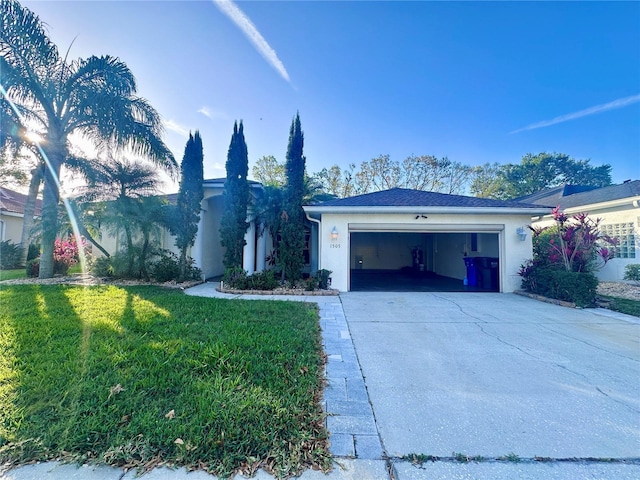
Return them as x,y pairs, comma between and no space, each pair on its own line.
141,376
13,274
623,305
16,273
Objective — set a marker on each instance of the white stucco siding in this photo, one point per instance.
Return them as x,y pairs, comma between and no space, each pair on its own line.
627,213
212,252
11,227
336,255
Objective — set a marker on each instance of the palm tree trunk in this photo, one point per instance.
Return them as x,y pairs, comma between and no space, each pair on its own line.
50,200
85,233
29,211
143,257
130,254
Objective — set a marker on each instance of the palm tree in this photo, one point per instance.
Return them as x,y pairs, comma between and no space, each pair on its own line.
94,97
123,189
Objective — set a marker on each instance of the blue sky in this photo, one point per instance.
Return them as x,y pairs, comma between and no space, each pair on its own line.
474,81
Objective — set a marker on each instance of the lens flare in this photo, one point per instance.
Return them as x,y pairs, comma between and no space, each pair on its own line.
37,140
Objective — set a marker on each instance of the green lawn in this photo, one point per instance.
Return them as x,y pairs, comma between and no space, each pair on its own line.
22,273
13,274
139,376
623,305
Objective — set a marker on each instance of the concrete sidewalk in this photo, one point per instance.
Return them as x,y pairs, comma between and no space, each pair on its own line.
423,354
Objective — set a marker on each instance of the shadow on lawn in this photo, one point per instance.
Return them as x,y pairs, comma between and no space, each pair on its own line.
136,377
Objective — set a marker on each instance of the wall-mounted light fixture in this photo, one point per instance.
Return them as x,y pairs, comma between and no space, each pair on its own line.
522,234
334,234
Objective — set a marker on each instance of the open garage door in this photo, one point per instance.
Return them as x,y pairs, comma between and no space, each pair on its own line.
396,260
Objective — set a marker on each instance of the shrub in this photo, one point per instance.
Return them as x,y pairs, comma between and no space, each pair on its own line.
262,280
311,284
576,244
632,272
66,253
102,267
166,268
33,268
323,278
10,255
33,252
120,264
236,278
576,287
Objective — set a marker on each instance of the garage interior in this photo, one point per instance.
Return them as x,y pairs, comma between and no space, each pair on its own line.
424,261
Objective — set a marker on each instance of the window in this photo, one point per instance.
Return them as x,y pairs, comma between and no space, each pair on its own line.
625,234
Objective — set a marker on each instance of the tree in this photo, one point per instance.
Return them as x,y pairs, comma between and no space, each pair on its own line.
236,200
185,225
121,189
486,181
94,97
535,173
269,172
337,182
292,231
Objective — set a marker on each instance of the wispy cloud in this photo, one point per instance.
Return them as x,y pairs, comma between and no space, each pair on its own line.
238,17
175,127
212,114
620,103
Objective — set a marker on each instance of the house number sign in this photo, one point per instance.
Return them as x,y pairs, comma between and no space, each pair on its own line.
334,245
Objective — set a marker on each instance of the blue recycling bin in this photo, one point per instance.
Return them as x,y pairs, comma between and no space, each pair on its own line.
472,271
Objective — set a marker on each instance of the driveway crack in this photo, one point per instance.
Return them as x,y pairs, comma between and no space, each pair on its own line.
462,311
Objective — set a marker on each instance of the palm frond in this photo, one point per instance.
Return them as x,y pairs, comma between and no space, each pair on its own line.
28,55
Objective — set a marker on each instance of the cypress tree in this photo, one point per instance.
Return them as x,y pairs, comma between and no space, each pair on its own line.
292,245
236,199
189,198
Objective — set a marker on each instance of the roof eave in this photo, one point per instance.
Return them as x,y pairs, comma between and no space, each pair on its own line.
428,209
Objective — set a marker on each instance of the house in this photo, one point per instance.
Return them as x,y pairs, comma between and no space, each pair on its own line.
430,233
207,251
618,207
12,213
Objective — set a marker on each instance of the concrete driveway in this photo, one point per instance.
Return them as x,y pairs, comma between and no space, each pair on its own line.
497,375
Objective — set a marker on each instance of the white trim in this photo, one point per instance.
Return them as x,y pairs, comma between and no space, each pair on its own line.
6,213
631,201
425,227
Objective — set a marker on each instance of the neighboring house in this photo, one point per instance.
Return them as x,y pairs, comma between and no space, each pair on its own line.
12,214
385,232
618,207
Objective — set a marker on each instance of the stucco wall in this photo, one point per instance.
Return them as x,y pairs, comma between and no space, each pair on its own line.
613,271
335,255
212,252
12,228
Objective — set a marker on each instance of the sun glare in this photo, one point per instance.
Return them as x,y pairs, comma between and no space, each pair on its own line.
34,137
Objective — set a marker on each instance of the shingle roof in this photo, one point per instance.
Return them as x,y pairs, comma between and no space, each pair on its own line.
14,202
570,196
404,197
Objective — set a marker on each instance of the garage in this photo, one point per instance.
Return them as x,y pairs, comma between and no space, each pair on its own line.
424,261
411,240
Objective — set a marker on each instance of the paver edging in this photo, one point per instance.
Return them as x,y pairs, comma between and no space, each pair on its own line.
542,298
304,293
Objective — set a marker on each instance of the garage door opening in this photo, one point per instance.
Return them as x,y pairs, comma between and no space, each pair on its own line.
425,261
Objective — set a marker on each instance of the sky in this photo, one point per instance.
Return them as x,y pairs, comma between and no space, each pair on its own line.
476,82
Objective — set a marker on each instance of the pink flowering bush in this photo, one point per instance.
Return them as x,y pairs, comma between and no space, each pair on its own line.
565,255
66,253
